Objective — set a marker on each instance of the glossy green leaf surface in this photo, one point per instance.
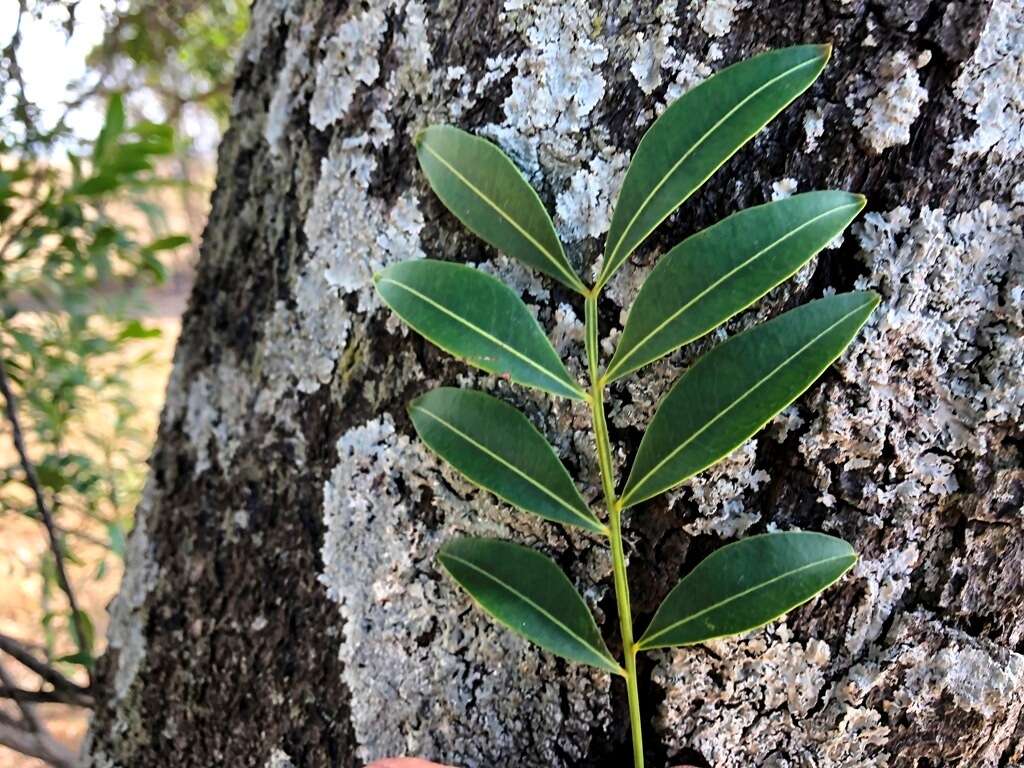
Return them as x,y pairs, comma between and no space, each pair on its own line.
714,274
737,387
527,592
747,584
498,449
480,185
697,134
471,315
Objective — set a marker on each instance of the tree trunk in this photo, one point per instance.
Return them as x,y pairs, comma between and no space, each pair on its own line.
282,604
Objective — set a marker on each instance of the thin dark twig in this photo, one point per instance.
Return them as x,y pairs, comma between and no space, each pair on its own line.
24,656
38,745
46,697
16,230
28,714
44,509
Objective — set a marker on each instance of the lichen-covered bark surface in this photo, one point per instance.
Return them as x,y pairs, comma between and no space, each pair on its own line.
282,604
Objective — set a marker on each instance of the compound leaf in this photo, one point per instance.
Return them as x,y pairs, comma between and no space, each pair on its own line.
736,388
697,134
747,584
480,185
471,315
528,593
497,447
711,276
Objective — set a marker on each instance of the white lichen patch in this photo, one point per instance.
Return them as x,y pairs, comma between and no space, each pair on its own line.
201,419
932,668
128,611
884,581
689,73
463,96
265,17
279,759
992,86
584,209
219,400
568,331
520,278
465,93
413,647
351,233
783,188
722,494
977,682
627,281
350,61
558,81
411,78
654,50
716,16
352,236
766,700
787,421
557,84
890,113
742,701
935,374
292,83
814,128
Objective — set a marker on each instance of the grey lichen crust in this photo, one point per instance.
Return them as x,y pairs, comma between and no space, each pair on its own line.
288,482
767,700
433,676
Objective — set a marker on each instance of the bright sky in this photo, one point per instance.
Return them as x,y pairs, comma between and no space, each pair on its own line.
51,62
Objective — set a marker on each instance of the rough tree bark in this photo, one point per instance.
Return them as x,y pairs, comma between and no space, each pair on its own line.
282,605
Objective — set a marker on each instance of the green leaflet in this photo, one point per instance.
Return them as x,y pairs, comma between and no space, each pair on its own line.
721,270
471,315
697,134
747,584
528,593
496,447
736,388
479,184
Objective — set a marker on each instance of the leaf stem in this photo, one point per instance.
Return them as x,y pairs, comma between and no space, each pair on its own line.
604,459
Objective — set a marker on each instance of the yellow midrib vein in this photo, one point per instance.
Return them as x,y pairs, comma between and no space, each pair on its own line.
493,339
484,449
664,179
734,403
645,641
618,365
574,281
543,611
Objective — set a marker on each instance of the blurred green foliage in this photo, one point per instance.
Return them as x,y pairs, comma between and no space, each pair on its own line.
182,53
70,289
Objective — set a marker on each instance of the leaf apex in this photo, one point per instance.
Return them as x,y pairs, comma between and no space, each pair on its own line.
874,298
